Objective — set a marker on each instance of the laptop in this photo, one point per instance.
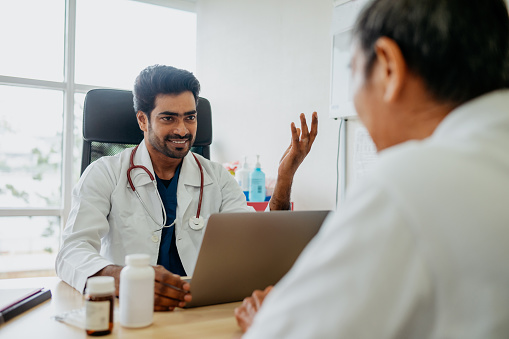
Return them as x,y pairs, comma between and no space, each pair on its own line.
242,252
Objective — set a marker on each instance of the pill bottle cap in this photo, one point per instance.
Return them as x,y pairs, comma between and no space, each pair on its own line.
100,285
137,259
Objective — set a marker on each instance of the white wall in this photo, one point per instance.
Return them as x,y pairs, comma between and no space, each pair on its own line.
261,63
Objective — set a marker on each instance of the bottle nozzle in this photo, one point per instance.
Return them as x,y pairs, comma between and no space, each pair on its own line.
258,165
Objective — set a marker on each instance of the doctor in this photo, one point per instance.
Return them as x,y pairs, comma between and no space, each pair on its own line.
157,197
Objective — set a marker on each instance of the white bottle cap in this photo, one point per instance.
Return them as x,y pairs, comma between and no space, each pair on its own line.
137,259
100,285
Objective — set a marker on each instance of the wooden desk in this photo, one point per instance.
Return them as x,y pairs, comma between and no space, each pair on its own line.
215,321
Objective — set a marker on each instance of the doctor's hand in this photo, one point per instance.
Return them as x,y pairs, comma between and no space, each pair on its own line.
170,290
302,140
246,312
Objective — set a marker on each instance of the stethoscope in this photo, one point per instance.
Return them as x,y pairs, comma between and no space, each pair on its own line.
196,223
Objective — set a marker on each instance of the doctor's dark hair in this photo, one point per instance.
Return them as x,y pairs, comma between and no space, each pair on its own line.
160,79
459,48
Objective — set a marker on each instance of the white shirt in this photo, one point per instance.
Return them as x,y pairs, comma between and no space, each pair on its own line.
107,221
419,250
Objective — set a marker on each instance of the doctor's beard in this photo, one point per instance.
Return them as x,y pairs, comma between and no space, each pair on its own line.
168,148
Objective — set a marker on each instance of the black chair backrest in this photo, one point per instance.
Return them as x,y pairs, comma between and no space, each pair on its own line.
110,125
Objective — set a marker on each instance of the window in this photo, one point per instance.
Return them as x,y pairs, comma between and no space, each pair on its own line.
52,61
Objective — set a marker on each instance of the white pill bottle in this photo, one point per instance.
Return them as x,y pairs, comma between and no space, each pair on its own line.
136,291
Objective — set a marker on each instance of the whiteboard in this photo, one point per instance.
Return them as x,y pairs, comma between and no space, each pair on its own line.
343,19
358,154
341,93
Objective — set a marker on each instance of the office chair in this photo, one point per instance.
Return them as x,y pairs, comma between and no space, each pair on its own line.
110,125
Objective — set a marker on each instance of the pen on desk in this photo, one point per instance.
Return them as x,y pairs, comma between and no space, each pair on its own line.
175,287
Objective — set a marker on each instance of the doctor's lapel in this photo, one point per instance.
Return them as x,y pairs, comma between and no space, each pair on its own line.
143,184
189,186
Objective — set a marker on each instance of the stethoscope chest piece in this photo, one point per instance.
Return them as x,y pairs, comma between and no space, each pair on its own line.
196,223
155,238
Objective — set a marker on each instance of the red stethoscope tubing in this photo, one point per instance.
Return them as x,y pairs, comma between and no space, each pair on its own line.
132,166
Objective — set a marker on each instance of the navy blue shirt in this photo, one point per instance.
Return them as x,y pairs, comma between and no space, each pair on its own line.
168,254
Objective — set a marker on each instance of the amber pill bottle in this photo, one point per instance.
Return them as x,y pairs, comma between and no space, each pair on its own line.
99,302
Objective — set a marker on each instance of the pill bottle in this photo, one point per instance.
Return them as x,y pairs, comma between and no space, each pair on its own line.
99,302
136,292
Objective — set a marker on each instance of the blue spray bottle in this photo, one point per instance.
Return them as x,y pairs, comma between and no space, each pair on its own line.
257,183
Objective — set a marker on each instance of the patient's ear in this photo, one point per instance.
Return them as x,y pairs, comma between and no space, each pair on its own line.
142,121
392,67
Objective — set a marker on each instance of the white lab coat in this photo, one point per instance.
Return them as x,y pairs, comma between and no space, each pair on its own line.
107,221
418,250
